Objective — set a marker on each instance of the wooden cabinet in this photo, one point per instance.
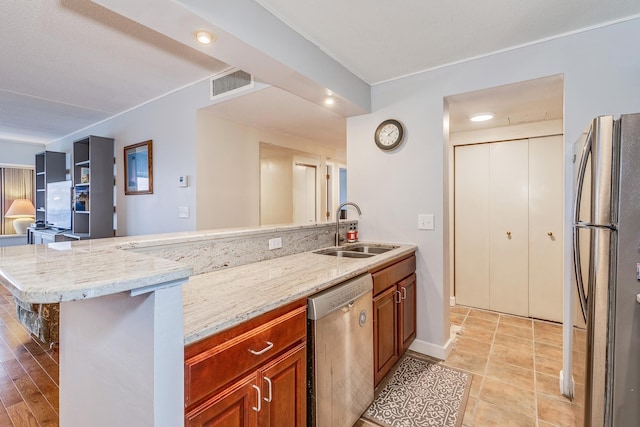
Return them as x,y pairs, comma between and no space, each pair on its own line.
394,314
251,375
508,226
93,187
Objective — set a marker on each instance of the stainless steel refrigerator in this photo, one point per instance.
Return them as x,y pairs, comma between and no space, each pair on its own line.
606,247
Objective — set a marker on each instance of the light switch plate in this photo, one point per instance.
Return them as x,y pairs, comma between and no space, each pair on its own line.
183,181
425,222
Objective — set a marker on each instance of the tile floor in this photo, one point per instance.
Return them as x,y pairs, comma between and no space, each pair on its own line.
516,363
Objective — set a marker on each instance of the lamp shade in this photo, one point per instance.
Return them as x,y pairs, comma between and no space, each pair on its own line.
21,208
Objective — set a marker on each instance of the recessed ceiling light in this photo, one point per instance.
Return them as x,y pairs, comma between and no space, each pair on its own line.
329,101
481,117
204,37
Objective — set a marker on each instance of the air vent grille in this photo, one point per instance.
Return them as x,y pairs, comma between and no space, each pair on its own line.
232,82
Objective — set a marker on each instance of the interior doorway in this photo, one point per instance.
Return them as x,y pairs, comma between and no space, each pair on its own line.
522,111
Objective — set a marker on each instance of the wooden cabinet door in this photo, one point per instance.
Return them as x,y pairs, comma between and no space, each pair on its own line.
509,227
471,213
385,332
407,313
545,227
231,408
284,390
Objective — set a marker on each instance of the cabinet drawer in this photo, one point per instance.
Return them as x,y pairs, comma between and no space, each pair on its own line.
393,274
209,371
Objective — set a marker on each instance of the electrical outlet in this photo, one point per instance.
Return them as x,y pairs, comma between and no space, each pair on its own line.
183,212
275,243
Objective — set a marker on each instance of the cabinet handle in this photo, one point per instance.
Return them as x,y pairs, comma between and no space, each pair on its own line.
398,297
268,399
550,234
404,292
257,409
508,234
264,350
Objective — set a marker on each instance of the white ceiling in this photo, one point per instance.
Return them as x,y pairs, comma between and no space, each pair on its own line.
70,63
379,40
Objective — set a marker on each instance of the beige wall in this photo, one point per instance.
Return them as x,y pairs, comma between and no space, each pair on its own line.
228,170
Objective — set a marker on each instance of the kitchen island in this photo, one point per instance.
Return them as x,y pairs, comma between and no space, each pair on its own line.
127,313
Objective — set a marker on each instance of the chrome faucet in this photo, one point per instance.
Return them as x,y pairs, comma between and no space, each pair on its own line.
338,218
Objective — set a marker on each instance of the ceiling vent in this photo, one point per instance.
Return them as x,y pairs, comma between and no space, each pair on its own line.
233,81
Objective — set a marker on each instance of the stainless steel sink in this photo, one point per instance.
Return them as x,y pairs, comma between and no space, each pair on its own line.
343,253
356,251
371,249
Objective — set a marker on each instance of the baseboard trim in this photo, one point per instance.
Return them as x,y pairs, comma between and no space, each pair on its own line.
452,301
432,350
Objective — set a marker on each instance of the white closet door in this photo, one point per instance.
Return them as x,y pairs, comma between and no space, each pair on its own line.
545,228
509,229
472,225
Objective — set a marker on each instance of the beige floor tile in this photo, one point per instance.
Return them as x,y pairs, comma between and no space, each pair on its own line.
467,362
509,396
556,411
546,424
469,411
549,385
548,351
510,374
479,334
510,341
515,331
478,323
543,326
492,415
459,309
469,345
476,383
456,319
516,321
482,314
548,366
512,356
548,338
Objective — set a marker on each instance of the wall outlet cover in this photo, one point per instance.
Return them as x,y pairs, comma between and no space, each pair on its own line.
275,243
425,222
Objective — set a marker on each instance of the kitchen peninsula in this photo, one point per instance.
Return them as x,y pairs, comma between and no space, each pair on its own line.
129,306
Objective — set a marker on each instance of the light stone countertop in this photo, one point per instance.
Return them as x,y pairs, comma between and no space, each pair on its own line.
221,299
68,271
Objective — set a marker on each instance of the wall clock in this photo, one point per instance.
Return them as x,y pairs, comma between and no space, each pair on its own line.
389,134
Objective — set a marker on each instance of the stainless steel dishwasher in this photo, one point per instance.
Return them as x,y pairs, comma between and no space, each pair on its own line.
340,346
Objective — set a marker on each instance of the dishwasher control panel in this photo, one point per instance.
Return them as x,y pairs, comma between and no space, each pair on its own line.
338,296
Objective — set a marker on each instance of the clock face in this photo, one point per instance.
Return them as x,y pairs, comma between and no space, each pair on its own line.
389,134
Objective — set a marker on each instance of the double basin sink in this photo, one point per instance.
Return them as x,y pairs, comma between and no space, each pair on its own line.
356,251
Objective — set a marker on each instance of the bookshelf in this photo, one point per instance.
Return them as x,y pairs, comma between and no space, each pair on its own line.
50,167
93,187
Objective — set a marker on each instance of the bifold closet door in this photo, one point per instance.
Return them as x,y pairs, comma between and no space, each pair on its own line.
545,228
509,228
472,225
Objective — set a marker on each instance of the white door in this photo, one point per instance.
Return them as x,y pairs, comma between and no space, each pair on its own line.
545,228
304,194
471,184
509,229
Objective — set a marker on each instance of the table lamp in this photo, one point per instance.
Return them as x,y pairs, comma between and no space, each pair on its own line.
23,212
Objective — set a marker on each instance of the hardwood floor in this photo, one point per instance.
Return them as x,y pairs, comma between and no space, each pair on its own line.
29,373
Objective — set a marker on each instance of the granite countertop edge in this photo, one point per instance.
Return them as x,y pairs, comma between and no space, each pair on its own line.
216,301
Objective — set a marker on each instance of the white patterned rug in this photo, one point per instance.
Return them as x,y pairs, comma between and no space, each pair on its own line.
421,393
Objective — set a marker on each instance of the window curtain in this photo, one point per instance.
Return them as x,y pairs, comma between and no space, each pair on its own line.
14,184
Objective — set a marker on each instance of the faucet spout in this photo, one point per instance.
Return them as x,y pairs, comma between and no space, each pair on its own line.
342,205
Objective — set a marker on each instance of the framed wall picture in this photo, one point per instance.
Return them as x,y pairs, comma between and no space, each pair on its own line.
138,168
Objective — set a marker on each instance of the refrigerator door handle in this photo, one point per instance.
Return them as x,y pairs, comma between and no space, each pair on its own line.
577,263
